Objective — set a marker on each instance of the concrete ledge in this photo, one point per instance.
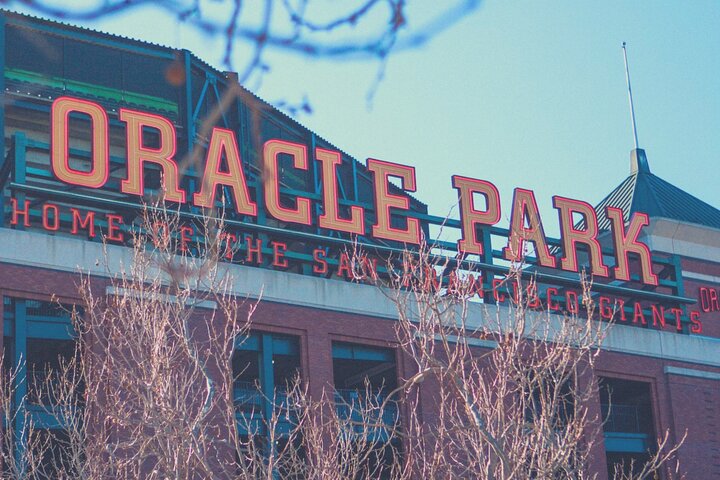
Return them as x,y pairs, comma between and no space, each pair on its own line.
194,302
690,372
76,255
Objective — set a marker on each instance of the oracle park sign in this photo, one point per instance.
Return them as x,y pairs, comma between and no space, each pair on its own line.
269,221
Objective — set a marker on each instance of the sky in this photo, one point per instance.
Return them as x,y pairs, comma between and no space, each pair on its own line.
520,93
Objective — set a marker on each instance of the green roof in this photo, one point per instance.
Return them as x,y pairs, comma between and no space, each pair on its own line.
647,193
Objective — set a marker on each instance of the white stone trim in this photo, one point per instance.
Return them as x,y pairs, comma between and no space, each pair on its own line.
190,302
702,277
75,255
683,238
691,372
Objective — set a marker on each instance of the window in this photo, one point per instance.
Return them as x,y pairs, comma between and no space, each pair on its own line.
264,366
627,409
38,337
363,377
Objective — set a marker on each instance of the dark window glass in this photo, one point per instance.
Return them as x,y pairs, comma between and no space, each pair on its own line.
27,50
146,75
46,358
93,64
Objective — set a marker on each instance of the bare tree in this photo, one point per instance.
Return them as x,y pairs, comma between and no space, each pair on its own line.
21,449
513,386
150,392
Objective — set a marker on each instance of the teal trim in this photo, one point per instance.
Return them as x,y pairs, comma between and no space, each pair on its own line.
21,325
347,351
89,89
19,171
20,363
284,346
55,331
42,418
3,167
616,442
218,97
201,99
249,343
267,381
680,291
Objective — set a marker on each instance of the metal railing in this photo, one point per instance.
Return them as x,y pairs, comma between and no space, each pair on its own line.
623,418
371,416
250,408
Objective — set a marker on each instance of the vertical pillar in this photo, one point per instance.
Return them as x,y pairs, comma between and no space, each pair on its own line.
189,124
680,290
267,379
21,380
19,171
317,360
487,258
317,185
2,106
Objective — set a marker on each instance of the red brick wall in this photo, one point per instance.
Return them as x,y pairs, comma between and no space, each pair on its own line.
680,402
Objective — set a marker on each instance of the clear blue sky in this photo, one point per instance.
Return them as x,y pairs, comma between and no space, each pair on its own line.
520,93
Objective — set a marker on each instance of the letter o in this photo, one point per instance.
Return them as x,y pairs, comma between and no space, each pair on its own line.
60,115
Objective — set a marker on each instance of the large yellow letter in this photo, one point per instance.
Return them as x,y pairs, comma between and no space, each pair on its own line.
525,209
627,242
271,181
384,200
224,141
471,216
137,154
330,218
60,113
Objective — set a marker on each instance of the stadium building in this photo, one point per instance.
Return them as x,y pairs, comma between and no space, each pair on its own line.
93,123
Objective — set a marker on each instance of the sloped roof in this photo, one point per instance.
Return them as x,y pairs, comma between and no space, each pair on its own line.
647,193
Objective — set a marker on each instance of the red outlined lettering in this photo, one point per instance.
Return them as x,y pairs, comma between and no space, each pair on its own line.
525,209
639,314
571,236
46,217
229,240
253,250
279,249
496,284
344,266
25,212
321,265
78,222
114,221
384,201
552,305
696,324
186,233
224,141
330,218
470,216
138,154
704,299
271,181
627,242
97,176
621,308
606,311
658,315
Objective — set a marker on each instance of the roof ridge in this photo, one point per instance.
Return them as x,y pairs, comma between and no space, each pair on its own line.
657,201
